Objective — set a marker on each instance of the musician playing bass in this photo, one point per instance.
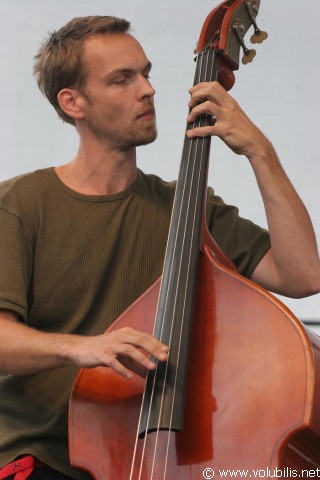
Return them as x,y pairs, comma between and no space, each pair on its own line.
81,241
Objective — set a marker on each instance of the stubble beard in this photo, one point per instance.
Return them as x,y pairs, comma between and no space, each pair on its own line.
127,136
145,135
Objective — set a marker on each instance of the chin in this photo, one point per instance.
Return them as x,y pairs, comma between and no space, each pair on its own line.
149,137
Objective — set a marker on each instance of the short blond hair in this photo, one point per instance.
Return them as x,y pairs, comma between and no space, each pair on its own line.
58,64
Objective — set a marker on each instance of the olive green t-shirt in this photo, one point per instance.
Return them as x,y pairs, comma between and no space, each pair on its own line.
72,263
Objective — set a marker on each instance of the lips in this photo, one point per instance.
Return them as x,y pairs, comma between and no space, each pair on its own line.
148,114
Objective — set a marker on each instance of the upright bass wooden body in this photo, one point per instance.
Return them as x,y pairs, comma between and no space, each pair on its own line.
241,387
252,395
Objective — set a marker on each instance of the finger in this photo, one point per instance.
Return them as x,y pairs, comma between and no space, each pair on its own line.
203,108
208,90
146,342
203,85
127,359
132,352
119,368
132,366
203,132
196,95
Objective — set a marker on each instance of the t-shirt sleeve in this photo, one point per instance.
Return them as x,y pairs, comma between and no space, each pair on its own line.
15,264
244,242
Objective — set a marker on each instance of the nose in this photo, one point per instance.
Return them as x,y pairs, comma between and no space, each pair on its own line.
147,89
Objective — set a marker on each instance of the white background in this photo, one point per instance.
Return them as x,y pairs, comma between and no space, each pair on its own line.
279,90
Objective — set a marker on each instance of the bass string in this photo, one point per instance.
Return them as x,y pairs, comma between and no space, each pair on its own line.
193,168
195,180
201,75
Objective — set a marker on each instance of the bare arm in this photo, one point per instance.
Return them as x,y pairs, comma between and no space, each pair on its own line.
26,351
292,266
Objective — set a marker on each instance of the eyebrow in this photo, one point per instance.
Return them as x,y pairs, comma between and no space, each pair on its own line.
148,66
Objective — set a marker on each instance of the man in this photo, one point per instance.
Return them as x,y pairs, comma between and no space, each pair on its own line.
80,242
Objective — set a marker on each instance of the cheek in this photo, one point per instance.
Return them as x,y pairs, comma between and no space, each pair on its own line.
115,112
112,111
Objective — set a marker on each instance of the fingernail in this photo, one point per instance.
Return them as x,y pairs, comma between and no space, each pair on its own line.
163,356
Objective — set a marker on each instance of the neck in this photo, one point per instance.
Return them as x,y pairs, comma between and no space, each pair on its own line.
98,171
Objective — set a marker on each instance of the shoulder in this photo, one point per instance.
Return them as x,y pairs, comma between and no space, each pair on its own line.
26,199
20,190
157,189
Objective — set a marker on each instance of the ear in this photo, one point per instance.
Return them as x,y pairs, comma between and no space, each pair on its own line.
71,102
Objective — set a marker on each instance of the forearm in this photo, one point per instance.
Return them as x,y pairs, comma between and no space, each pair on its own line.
294,246
26,351
292,267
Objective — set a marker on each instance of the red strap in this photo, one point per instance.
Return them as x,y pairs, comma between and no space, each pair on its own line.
21,468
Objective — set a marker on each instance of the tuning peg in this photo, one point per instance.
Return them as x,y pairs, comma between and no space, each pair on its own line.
258,36
252,9
238,30
248,56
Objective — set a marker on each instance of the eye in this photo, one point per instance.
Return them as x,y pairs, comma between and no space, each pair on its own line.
120,80
146,73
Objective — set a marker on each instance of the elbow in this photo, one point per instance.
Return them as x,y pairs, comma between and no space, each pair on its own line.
301,286
314,283
307,288
308,283
314,289
303,294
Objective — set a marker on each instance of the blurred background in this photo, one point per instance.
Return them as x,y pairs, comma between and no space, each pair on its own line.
279,91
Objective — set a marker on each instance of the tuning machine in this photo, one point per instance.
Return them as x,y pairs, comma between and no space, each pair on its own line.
259,36
239,31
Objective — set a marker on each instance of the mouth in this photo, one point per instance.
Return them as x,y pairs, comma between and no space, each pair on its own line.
147,115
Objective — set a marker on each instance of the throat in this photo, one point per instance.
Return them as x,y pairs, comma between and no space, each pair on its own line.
96,181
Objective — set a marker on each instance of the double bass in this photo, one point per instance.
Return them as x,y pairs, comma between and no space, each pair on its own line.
238,394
